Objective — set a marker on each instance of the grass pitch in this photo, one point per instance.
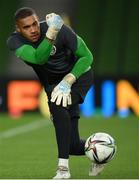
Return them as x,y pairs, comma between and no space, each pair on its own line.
28,148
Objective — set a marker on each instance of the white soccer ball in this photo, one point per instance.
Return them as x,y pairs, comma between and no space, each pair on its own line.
100,148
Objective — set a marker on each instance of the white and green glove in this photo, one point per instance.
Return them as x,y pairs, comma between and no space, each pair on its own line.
61,94
54,23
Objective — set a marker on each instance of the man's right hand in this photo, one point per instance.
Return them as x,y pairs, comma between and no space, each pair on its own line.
54,23
54,20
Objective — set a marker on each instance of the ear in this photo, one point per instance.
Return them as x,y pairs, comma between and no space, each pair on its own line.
17,28
37,17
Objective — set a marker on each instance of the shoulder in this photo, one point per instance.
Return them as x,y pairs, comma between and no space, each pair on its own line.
69,37
14,41
67,30
67,34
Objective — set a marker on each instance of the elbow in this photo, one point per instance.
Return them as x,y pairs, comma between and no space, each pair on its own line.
90,58
40,60
41,63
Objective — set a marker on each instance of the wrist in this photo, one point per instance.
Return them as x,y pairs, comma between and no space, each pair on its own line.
51,33
70,79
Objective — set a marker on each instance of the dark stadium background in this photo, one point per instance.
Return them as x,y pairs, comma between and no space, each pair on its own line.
110,28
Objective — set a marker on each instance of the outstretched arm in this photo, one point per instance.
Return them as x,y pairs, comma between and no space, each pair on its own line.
35,56
85,58
61,93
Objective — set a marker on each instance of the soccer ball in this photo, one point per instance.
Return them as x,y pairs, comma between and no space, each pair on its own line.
100,148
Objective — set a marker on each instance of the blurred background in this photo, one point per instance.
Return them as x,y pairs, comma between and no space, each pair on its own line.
110,28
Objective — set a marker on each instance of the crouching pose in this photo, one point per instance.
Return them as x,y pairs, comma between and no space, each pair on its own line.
62,62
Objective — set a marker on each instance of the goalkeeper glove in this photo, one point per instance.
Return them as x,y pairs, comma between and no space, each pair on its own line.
54,23
62,92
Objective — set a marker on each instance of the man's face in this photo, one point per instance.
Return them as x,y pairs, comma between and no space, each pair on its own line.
29,27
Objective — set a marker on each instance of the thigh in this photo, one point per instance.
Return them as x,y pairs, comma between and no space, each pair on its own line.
81,87
74,111
78,90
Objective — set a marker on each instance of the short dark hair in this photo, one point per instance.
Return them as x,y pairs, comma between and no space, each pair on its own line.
23,13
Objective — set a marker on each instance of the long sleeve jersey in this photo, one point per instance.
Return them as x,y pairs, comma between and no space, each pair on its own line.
52,61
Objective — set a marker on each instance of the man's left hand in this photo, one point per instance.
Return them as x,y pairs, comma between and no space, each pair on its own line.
61,94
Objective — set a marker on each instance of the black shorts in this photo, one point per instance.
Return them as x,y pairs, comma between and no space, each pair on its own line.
79,88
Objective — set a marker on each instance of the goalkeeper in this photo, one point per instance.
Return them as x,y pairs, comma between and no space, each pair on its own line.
62,62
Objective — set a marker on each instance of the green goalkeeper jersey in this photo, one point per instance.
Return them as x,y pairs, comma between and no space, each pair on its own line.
50,61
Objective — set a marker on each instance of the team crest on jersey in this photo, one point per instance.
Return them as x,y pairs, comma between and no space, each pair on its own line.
53,51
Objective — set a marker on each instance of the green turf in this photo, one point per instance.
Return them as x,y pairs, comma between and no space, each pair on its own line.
33,154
